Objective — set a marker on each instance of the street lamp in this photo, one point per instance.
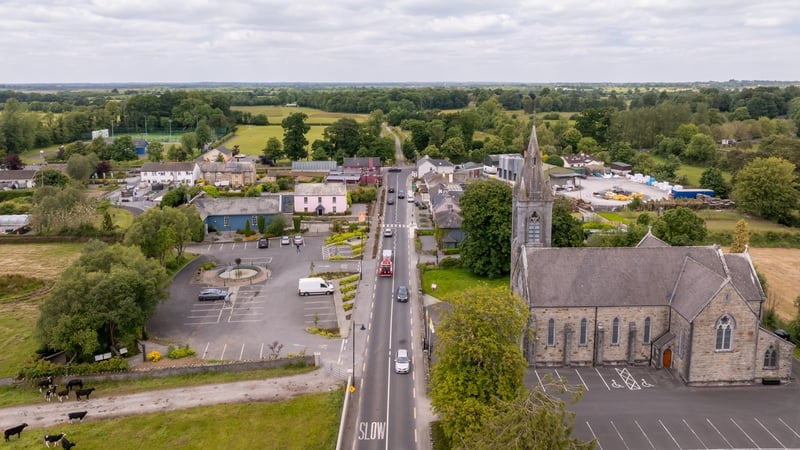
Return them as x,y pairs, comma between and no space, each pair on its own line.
363,249
353,335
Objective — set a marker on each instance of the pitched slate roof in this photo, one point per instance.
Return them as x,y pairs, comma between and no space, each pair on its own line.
447,219
649,240
168,167
238,206
320,189
16,175
313,166
642,276
362,162
227,167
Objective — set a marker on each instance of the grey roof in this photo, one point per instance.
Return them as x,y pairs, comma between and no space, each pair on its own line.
696,286
168,167
228,167
581,158
313,166
238,206
447,219
649,240
16,175
743,275
362,162
640,276
435,162
320,189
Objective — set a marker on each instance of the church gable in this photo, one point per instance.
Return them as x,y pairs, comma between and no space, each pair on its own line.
649,240
696,286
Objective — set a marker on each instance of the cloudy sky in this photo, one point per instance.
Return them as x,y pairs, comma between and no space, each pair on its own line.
528,41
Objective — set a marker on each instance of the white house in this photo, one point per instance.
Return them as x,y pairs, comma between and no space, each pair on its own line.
320,198
171,173
427,164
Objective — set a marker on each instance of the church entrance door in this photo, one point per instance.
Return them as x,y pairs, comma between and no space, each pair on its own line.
666,358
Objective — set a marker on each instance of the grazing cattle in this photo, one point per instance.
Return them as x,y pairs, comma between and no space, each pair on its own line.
83,393
15,430
66,444
77,382
79,415
51,392
46,383
62,395
53,438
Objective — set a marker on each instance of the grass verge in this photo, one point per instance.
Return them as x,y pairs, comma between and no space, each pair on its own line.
449,281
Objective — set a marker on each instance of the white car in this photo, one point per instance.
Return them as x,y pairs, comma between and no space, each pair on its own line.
298,240
402,363
388,232
285,240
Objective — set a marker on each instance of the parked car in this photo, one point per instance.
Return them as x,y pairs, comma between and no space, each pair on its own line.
388,232
410,199
298,240
263,243
285,240
211,294
783,334
402,294
402,363
394,169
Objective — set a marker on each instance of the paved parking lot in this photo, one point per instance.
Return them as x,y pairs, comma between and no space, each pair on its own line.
643,408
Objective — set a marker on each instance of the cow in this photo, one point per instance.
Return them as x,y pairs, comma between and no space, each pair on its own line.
44,384
51,392
63,395
76,382
66,444
83,393
15,430
53,439
78,415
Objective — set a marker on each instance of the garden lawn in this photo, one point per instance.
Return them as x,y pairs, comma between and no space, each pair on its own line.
252,139
449,281
306,422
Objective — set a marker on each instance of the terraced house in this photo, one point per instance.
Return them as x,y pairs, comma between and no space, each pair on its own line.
695,311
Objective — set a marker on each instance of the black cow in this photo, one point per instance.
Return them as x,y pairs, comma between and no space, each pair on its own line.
83,393
73,383
66,444
15,430
44,384
63,395
79,415
53,438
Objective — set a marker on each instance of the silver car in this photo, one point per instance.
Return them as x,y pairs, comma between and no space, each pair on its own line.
402,363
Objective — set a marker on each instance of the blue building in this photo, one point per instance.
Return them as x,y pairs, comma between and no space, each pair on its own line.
140,145
231,214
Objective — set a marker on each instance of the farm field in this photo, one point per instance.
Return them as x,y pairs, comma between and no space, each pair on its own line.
252,139
275,114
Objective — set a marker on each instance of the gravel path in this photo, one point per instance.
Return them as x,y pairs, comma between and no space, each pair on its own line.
103,406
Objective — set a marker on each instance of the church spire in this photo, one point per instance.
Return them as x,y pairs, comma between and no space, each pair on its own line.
533,184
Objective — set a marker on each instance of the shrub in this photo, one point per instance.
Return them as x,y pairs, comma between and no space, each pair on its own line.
154,356
449,263
347,288
180,352
348,306
42,368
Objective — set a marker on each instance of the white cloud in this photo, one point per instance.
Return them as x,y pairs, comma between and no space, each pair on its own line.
402,40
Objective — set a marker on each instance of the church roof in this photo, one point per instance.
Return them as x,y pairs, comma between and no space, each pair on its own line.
641,276
649,240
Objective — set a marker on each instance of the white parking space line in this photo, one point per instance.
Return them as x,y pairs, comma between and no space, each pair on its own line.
695,434
744,432
718,432
241,353
645,435
790,428
601,378
585,386
770,433
620,435
668,433
540,380
594,436
224,347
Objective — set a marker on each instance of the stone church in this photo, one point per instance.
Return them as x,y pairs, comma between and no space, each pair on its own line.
695,311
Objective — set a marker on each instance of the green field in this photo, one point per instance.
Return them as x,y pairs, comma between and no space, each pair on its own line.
252,139
449,281
275,114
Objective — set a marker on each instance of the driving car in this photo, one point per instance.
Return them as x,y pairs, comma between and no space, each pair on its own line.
210,294
390,201
263,243
388,232
390,190
298,240
402,294
394,169
401,361
401,194
285,240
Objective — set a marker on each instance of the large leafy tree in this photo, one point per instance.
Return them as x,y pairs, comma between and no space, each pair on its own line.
680,226
294,136
80,167
567,231
343,136
102,300
766,188
479,360
57,208
159,231
701,149
486,213
273,149
712,178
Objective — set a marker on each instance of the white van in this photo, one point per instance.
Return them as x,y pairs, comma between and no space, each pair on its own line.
312,286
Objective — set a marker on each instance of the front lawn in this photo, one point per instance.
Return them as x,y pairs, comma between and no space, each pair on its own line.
449,281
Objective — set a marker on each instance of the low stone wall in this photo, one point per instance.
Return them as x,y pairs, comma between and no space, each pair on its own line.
309,360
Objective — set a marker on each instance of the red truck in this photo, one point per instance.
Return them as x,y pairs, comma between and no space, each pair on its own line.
385,267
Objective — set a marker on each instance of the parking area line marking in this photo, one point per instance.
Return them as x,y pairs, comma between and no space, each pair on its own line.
770,433
594,436
790,428
601,378
620,435
718,432
582,382
224,347
628,379
205,352
669,434
558,375
540,380
695,434
744,432
261,353
200,323
241,353
645,435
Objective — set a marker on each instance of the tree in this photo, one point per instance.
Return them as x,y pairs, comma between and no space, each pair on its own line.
204,134
294,136
188,143
81,167
766,188
160,230
680,227
479,360
711,178
121,150
102,300
273,149
588,146
570,138
554,160
155,151
486,213
701,149
12,161
454,150
276,226
741,236
343,135
57,208
567,231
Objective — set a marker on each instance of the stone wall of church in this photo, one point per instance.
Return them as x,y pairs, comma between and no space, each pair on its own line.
783,369
567,349
737,365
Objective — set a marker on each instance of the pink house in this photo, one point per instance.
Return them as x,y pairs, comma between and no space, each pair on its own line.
320,198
